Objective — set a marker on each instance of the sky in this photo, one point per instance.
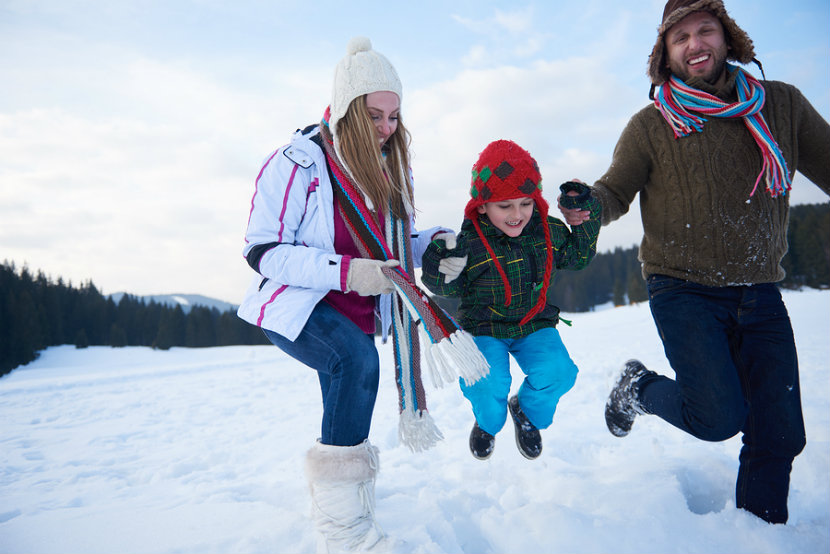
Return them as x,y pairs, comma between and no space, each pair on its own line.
135,450
131,133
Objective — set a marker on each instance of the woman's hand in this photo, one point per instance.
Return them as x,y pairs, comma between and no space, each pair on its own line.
366,277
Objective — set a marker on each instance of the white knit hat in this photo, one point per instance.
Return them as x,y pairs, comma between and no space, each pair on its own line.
361,71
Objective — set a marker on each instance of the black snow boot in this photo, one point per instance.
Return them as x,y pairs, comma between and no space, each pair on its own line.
528,438
623,403
482,443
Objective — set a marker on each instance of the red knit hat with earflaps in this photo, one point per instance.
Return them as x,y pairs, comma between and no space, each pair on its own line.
505,171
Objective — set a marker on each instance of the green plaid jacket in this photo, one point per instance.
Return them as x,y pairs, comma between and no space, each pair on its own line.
482,310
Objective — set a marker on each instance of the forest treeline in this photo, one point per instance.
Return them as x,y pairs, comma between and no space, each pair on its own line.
617,277
37,312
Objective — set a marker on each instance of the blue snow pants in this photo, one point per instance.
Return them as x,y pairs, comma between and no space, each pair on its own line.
549,374
736,370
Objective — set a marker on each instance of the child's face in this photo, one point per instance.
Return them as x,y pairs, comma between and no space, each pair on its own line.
509,216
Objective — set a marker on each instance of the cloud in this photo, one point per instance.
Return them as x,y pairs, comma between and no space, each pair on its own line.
153,182
131,137
552,108
504,35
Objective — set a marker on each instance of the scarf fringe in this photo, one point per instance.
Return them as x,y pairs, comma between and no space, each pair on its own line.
418,431
450,353
455,356
449,356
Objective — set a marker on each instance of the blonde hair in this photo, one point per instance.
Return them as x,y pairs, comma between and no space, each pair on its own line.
384,179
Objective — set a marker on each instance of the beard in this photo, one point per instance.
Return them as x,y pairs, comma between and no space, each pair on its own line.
681,71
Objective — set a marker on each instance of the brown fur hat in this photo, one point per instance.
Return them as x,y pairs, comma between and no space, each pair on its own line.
739,43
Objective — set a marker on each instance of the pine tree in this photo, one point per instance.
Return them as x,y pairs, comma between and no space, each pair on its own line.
81,339
118,337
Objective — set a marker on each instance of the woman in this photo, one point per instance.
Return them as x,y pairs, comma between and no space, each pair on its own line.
330,236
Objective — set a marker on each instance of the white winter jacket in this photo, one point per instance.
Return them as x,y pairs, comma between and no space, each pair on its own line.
290,239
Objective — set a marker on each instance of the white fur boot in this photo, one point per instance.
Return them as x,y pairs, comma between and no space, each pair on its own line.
342,483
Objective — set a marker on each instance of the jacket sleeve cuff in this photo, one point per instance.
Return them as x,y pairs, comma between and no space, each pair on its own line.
345,261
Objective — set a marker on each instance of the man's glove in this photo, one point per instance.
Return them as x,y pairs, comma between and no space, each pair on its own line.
452,267
366,278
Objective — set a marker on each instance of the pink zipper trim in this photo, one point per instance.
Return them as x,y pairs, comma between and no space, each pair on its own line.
285,202
270,300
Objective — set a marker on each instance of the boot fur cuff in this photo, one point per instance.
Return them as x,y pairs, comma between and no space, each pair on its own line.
347,464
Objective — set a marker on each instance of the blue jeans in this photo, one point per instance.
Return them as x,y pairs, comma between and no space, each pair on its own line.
348,368
736,370
549,374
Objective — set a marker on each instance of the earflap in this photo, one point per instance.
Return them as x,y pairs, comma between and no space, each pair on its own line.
508,292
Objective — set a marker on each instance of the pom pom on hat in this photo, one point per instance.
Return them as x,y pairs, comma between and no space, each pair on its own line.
358,44
361,71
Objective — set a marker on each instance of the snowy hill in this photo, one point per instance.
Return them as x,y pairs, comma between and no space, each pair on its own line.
186,301
201,450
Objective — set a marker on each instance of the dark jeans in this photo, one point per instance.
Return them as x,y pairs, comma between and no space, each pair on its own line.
348,369
736,370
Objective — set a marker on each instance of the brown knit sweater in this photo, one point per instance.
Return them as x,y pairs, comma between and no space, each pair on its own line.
699,221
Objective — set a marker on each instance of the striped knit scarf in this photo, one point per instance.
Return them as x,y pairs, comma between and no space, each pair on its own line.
676,101
450,352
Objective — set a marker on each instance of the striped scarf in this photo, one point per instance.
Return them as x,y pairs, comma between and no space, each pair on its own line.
450,352
676,101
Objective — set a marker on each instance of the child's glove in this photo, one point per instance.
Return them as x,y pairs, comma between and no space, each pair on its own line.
448,238
578,201
366,278
452,267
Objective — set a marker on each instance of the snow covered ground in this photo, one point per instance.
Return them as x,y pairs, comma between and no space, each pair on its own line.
135,450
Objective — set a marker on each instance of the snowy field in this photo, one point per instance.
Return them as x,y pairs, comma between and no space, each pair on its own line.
134,450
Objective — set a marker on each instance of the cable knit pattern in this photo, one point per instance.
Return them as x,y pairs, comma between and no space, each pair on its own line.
699,222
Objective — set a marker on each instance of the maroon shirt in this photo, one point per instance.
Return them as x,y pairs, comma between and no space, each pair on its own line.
359,309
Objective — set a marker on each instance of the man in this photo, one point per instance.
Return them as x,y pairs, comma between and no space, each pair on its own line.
712,161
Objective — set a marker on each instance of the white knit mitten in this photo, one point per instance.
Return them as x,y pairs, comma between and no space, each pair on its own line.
366,277
448,238
452,267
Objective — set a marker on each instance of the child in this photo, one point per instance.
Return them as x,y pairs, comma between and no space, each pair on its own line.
500,266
